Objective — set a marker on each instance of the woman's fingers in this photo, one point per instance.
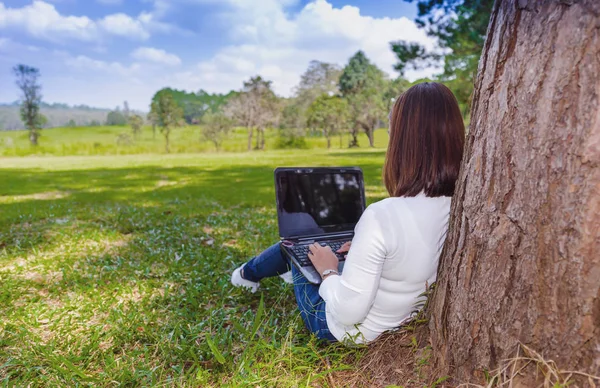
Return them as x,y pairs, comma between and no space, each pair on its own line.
345,247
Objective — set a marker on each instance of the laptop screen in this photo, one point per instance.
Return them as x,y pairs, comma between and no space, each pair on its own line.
318,201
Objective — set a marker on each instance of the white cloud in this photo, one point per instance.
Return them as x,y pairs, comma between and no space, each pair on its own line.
156,55
82,62
271,42
42,20
124,25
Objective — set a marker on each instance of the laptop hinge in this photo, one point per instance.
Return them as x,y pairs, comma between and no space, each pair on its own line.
331,236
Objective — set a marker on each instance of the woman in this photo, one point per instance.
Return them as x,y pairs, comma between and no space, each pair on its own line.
395,250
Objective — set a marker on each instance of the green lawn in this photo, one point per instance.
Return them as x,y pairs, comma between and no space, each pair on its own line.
114,270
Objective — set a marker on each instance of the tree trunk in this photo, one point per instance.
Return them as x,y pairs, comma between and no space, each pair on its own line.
370,134
167,141
328,142
33,137
354,141
250,132
521,263
262,138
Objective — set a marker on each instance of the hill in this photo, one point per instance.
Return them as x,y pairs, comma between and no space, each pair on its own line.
58,115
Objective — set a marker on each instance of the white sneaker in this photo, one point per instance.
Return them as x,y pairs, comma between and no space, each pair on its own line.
238,281
287,277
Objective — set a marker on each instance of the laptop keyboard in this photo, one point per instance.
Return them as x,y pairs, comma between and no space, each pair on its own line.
301,251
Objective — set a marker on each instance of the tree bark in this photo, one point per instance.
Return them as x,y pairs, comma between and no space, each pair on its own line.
262,138
167,140
33,137
521,263
354,141
250,130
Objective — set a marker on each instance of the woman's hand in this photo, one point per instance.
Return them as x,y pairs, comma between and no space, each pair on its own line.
322,258
345,248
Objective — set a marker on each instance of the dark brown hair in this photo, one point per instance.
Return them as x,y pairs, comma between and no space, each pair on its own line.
427,137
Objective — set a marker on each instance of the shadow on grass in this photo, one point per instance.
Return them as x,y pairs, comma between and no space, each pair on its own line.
123,274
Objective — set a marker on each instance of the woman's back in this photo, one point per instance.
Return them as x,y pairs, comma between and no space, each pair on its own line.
393,258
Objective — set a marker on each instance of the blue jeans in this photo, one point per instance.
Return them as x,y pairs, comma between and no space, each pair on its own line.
272,262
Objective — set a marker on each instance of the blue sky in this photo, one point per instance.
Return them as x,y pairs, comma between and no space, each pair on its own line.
103,52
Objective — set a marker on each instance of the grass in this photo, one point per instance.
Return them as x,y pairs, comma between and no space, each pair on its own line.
119,141
114,270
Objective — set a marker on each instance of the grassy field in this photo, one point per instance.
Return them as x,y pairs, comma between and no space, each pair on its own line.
114,270
119,141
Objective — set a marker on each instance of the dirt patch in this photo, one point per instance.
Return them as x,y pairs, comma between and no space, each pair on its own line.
50,277
45,196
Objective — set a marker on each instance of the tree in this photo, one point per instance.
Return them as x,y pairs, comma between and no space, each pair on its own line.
216,128
27,81
330,113
126,111
364,85
319,78
115,117
153,120
136,121
194,105
167,114
521,261
255,107
459,26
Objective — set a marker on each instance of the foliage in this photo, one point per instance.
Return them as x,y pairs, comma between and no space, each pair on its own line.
216,128
291,138
330,113
255,107
356,74
136,122
319,78
460,27
195,105
365,86
292,115
27,81
125,281
166,114
116,117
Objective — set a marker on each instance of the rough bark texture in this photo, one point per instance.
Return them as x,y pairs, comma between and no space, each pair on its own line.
522,258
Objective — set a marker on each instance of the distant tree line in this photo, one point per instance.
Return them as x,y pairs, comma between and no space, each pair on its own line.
328,101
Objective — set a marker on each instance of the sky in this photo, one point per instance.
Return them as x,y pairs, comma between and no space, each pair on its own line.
103,52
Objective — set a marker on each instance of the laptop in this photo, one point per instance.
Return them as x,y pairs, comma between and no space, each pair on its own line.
317,205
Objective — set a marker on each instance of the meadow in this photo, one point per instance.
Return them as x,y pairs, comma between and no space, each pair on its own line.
116,140
114,270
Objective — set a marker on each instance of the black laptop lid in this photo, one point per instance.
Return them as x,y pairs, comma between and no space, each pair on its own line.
318,201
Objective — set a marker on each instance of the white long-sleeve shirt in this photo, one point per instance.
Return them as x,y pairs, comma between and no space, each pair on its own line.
393,257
